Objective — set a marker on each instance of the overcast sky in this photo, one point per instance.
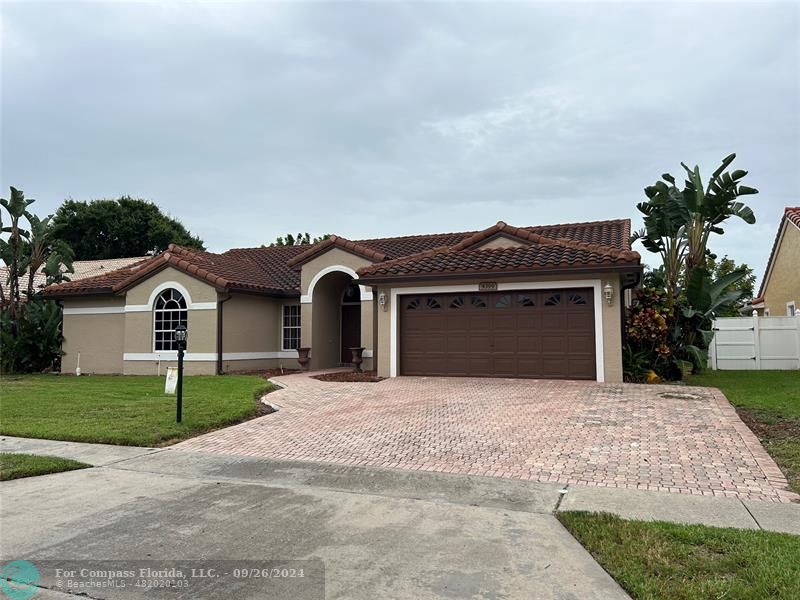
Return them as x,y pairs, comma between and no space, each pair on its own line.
250,120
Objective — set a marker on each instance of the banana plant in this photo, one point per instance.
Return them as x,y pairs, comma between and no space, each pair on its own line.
710,206
17,207
666,217
705,298
45,250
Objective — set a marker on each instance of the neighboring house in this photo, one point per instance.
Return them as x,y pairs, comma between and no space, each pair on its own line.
780,289
540,302
82,268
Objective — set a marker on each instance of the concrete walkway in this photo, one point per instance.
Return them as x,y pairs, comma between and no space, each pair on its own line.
473,490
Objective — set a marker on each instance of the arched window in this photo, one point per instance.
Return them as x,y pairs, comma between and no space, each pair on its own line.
169,310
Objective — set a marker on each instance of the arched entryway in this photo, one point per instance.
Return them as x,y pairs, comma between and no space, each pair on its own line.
336,320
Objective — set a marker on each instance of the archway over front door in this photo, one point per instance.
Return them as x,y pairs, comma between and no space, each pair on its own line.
336,320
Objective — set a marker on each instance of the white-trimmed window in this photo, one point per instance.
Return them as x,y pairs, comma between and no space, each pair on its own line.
791,309
169,311
290,330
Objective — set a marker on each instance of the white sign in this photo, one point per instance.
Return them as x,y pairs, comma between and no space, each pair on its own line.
172,380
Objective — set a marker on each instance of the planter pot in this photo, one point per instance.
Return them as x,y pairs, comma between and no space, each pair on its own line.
357,358
303,357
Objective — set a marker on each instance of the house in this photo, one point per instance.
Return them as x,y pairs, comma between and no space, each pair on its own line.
780,288
542,302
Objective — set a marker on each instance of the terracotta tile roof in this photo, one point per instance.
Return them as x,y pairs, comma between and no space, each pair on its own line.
615,233
338,242
540,253
791,214
275,261
274,270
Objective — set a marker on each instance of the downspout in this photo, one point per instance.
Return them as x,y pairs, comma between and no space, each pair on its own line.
221,299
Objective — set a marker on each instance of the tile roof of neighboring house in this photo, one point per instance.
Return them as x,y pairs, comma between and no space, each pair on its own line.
83,269
274,270
791,214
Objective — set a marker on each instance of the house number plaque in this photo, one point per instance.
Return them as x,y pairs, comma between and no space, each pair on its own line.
487,286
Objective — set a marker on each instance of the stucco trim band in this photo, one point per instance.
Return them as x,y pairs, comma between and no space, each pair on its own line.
205,356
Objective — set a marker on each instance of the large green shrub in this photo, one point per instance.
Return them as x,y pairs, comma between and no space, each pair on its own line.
31,340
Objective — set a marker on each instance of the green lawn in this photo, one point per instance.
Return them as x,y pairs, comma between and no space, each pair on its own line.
128,410
676,562
769,402
17,466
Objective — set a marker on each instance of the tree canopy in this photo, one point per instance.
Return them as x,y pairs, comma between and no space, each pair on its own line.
298,240
119,228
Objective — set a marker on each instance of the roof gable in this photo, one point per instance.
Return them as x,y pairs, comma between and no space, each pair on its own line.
335,241
791,217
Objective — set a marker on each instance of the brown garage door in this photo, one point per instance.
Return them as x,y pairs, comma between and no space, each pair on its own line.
545,334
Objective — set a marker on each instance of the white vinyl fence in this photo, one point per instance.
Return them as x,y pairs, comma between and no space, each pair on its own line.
755,343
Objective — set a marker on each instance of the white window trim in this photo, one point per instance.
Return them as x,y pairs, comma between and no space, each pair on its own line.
366,293
153,319
595,284
791,309
300,337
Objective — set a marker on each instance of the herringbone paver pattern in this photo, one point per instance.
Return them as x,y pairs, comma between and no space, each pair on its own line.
667,438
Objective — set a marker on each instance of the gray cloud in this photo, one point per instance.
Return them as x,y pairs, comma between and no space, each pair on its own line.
249,120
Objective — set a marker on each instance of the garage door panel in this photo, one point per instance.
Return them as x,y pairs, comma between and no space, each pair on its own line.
577,367
528,343
505,367
504,343
582,321
543,333
580,344
456,342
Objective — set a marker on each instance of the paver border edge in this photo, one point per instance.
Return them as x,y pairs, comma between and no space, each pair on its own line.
774,475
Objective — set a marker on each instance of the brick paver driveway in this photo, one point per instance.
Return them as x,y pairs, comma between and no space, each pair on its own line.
669,438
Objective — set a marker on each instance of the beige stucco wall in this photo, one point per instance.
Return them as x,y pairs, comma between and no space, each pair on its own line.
612,319
251,324
199,291
783,284
97,337
321,320
104,339
501,241
201,325
332,257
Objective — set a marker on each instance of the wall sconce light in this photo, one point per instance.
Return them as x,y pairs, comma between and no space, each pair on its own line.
382,300
608,293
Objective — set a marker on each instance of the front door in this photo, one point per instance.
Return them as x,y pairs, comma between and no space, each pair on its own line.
351,330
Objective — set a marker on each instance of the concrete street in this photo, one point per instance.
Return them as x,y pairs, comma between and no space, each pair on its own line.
379,533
